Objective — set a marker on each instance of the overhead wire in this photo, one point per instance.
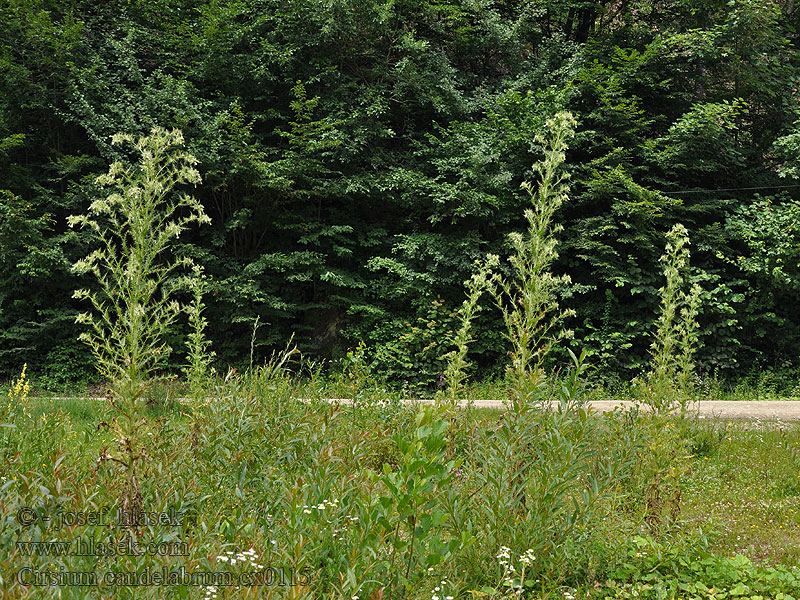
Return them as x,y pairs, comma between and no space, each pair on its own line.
740,189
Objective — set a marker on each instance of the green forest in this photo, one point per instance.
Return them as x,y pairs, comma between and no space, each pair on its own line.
358,156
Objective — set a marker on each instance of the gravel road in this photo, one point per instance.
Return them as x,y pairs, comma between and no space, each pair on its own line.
766,410
772,410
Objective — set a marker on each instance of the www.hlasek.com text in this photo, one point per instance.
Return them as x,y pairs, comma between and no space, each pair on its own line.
91,547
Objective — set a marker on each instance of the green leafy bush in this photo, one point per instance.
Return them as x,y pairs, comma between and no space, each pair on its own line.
649,569
67,363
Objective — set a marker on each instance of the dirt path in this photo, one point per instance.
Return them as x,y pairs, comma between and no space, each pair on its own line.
766,410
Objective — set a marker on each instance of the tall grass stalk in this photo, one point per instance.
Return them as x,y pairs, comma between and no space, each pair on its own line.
256,325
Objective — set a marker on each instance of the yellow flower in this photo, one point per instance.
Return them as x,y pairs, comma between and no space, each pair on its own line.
18,393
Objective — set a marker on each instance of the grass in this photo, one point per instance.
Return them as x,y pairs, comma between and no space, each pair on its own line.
333,386
254,471
745,483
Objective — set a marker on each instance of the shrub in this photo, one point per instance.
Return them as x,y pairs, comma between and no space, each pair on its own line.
67,363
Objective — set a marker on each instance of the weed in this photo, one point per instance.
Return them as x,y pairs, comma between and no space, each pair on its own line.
530,311
670,381
455,372
197,369
134,308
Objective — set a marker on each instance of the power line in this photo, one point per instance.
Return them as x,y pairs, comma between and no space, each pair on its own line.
763,187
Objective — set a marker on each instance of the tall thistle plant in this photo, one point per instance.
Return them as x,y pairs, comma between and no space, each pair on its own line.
528,304
135,225
199,356
541,478
671,376
455,374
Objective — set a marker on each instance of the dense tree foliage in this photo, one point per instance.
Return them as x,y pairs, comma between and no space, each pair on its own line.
358,156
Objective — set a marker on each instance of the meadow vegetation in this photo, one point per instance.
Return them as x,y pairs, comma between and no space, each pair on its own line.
375,499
